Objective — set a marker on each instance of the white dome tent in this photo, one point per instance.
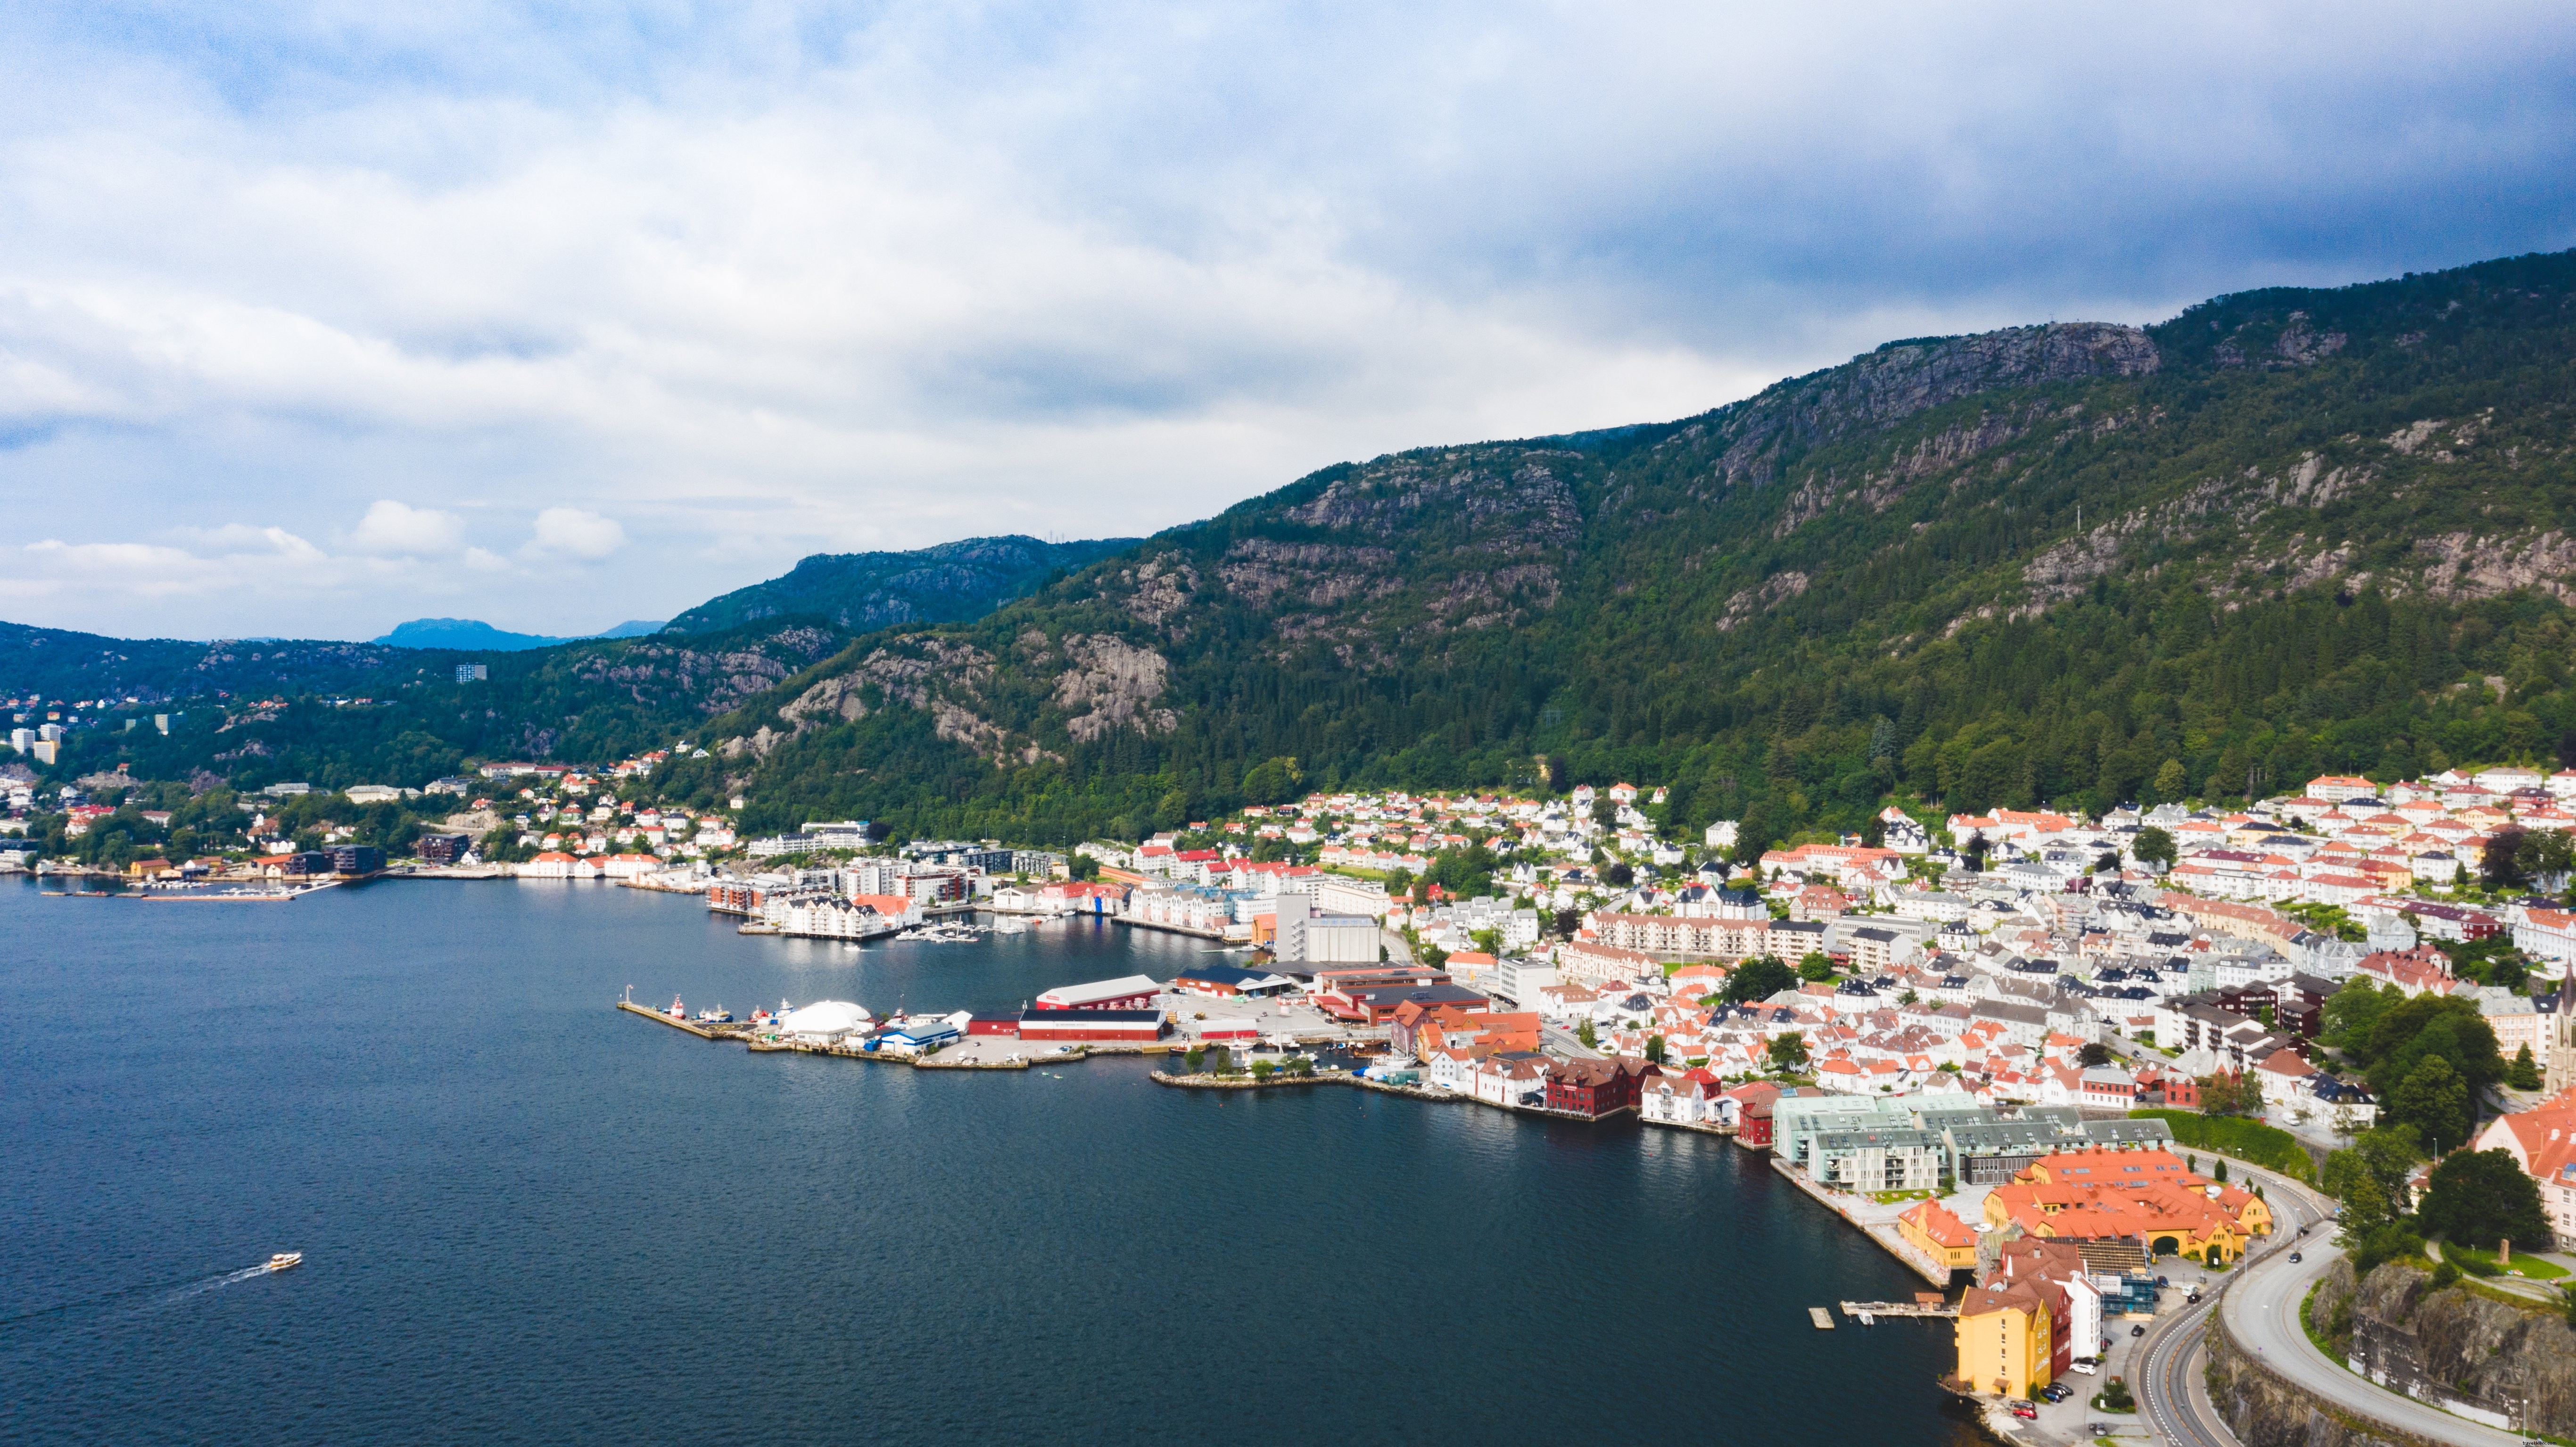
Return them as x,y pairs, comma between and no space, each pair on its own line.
824,1020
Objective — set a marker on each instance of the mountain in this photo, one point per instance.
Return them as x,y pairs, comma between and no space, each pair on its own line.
950,583
472,636
464,635
2286,531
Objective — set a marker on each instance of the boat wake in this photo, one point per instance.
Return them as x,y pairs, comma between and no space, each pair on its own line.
154,1297
215,1283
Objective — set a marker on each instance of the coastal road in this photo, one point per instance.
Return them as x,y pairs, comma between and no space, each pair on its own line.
2166,1370
2263,1313
2262,1299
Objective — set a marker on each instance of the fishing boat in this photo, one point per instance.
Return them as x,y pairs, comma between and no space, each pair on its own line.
717,1016
675,1012
285,1259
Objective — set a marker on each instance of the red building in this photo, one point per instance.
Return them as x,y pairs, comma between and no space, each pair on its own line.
1595,1088
1753,1113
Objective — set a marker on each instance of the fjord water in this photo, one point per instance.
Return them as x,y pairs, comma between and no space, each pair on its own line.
526,1217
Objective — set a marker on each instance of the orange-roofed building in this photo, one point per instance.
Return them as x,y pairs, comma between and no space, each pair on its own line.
1937,1232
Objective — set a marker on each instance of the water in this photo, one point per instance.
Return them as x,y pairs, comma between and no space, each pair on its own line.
529,1218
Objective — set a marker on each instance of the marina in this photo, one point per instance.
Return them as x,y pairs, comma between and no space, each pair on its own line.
627,1179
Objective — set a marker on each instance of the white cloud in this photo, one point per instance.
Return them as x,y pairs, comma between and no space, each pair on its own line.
393,527
756,286
571,532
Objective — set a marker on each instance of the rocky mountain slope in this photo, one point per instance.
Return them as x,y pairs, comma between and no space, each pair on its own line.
2063,562
2283,532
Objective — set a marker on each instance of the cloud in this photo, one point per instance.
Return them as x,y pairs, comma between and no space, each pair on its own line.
771,280
392,527
571,532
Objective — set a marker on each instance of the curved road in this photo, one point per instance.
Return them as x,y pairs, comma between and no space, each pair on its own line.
2262,1299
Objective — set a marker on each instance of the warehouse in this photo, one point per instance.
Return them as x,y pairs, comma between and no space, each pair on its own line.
1064,1024
1132,992
1230,980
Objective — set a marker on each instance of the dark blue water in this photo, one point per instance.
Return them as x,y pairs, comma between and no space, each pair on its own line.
529,1218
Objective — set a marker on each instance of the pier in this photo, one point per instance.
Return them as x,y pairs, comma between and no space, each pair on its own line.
1867,1313
1823,1319
703,1032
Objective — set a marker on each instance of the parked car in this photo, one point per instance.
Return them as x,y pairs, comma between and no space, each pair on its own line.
2160,1281
2084,1365
2137,1331
2024,1410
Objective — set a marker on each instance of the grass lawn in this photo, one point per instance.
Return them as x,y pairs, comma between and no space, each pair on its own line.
2531,1267
1890,1198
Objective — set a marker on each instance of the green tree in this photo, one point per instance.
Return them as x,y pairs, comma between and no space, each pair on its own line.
1759,978
1788,1052
2434,1098
2500,861
2351,1012
1655,1049
2154,846
2170,781
2432,1025
2524,1072
1274,781
1816,966
2478,1198
1584,1032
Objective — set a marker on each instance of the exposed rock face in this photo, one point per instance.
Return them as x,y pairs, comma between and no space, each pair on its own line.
1319,575
1511,500
1113,683
653,670
1750,601
1903,378
943,676
2296,344
2453,1348
2464,565
2265,1411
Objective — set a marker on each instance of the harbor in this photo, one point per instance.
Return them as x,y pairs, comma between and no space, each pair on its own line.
634,1164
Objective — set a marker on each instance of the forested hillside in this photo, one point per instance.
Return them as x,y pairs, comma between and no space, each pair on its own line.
944,584
2285,531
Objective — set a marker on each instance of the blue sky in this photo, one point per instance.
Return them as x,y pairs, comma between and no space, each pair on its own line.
317,318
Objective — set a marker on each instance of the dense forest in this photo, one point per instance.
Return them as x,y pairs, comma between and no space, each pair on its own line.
2284,532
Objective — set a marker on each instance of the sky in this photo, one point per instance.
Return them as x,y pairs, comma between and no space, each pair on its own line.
319,317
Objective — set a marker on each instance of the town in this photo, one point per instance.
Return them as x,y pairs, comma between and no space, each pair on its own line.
2021,1051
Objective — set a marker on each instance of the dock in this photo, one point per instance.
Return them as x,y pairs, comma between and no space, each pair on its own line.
1867,1313
1823,1319
676,1023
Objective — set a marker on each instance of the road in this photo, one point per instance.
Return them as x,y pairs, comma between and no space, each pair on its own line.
1565,1043
2262,1300
2263,1313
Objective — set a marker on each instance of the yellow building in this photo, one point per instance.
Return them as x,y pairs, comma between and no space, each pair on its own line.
1937,1232
2004,1337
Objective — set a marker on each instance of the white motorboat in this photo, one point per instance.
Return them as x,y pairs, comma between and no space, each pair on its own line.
285,1259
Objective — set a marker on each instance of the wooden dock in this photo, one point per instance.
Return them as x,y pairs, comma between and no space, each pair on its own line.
1867,1313
1823,1319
